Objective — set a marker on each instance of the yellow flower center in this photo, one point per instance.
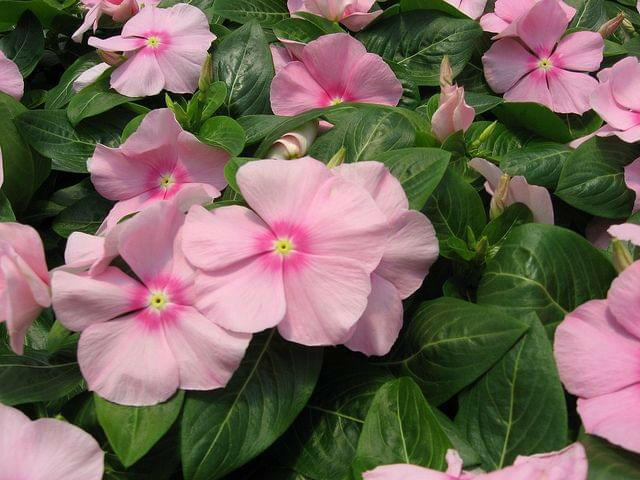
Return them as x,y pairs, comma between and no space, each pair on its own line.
283,246
336,101
153,42
545,64
166,181
158,300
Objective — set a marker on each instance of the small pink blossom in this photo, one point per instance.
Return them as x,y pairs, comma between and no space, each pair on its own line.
568,464
471,8
411,249
165,49
353,14
507,13
118,10
11,81
143,339
632,179
307,253
154,163
597,350
24,280
46,449
541,67
333,69
535,197
453,114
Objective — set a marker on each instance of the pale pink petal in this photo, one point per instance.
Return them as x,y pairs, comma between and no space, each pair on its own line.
295,5
625,75
206,354
295,48
11,81
202,163
538,199
128,361
378,328
90,21
453,114
13,449
360,20
139,76
294,90
618,117
181,68
127,207
125,9
145,140
594,354
26,241
491,22
579,51
532,88
187,25
139,25
489,171
89,76
117,43
510,10
505,63
570,91
80,300
632,179
83,250
405,472
371,80
614,416
281,56
473,8
567,464
628,232
630,136
624,298
542,27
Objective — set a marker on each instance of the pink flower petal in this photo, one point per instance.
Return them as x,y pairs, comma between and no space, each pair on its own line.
505,63
453,114
567,464
126,207
80,300
89,76
25,240
203,163
83,250
614,417
17,305
117,43
11,81
90,21
206,354
294,90
532,88
491,22
570,91
378,328
628,232
579,51
405,472
542,27
12,448
538,199
360,20
594,354
624,298
281,56
473,8
618,117
146,139
489,171
139,76
626,74
187,25
632,179
181,68
371,80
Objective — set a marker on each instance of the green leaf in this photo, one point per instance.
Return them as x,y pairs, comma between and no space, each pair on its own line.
517,407
231,169
84,216
6,212
513,216
546,270
540,162
243,61
469,457
214,99
132,431
607,462
501,141
400,427
303,30
224,429
256,127
60,95
25,44
440,5
418,40
12,10
592,178
535,118
267,12
590,15
450,343
223,132
419,170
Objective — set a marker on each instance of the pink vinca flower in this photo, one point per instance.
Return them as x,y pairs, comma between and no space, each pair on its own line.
118,10
143,339
353,14
597,349
507,13
535,197
540,66
46,449
471,8
165,49
24,280
568,464
11,81
632,178
411,249
153,164
321,77
307,252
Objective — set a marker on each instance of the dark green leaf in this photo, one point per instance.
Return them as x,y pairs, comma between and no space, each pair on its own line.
540,162
25,45
223,132
608,462
512,217
535,118
257,127
85,216
440,5
60,95
267,12
95,99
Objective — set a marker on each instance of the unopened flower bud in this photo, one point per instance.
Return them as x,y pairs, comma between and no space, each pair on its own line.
485,135
206,74
628,26
294,144
610,27
499,200
111,58
446,73
338,158
621,256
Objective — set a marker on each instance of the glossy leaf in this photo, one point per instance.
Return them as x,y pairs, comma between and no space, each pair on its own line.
606,461
25,44
223,132
267,12
540,163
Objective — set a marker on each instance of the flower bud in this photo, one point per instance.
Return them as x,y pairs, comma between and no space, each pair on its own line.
485,135
206,74
294,144
610,27
111,58
621,256
499,200
446,73
338,158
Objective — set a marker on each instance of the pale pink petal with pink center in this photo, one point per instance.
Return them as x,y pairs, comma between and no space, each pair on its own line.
632,179
618,117
411,249
325,298
294,90
378,328
139,76
281,56
358,21
117,43
543,26
405,472
624,298
614,416
222,237
61,451
538,199
128,361
579,51
624,78
505,63
567,464
371,80
203,163
491,22
26,242
206,354
594,354
628,232
532,88
13,448
80,300
11,81
90,21
570,91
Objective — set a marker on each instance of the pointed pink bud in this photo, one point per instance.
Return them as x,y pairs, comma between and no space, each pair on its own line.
446,74
111,58
610,27
453,114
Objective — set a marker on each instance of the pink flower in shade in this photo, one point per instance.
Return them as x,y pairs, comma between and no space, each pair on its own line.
153,164
353,14
541,67
632,178
11,81
307,253
535,197
166,48
471,8
597,349
118,10
568,464
142,340
411,249
46,449
453,114
24,280
321,77
507,13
